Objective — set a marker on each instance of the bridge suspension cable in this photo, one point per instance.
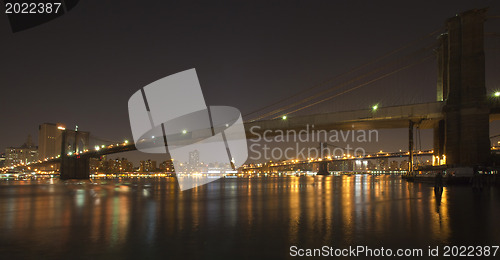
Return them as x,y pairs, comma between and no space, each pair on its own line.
105,140
343,84
358,86
345,73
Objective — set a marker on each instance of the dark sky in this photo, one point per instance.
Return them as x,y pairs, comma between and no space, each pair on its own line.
82,68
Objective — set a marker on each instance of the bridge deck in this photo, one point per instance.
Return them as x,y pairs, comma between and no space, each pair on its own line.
428,114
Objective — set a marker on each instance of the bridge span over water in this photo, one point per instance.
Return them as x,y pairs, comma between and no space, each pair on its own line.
460,115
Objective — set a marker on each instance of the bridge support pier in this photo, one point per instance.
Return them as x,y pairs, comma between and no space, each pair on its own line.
323,165
439,139
466,123
323,168
75,167
410,147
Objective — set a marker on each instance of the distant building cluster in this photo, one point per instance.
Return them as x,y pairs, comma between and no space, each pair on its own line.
147,166
122,165
195,165
23,154
365,165
49,145
167,166
104,165
380,164
50,137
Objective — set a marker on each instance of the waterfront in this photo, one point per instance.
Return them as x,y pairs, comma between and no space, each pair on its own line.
243,218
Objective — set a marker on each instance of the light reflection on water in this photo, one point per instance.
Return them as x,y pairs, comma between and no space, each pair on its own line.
251,218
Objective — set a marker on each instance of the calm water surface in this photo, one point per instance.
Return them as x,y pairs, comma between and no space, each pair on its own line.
257,218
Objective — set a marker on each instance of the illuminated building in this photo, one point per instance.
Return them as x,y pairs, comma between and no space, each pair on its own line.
110,166
382,163
50,138
360,165
147,166
348,165
194,158
24,154
404,165
2,159
394,166
167,166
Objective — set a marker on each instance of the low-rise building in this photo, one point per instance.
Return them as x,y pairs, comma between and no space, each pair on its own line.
147,166
167,166
21,155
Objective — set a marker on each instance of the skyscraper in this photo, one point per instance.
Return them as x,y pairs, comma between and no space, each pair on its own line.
194,158
49,140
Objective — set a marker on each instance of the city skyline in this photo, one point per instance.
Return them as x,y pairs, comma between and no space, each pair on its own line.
249,129
101,89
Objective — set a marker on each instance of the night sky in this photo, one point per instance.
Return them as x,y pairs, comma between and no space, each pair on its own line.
81,68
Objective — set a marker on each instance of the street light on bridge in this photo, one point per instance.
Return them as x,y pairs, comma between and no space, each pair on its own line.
496,94
374,107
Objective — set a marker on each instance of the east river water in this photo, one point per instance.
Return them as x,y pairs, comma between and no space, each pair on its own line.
243,218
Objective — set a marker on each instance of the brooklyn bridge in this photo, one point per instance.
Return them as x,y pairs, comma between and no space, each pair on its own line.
459,116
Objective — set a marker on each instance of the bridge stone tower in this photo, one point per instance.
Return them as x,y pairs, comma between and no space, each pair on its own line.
463,135
74,167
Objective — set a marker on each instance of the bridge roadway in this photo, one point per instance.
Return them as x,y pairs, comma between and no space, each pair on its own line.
427,114
110,149
424,115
